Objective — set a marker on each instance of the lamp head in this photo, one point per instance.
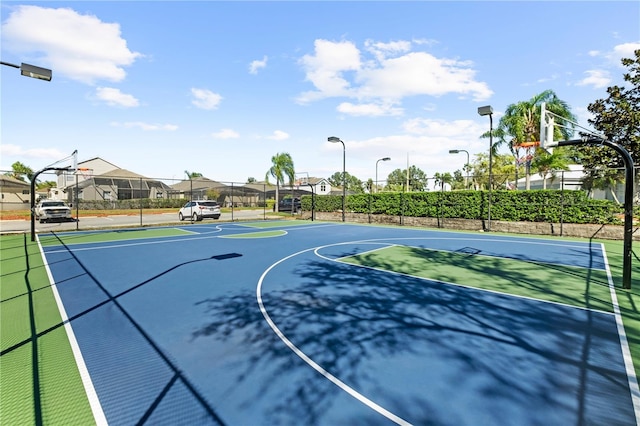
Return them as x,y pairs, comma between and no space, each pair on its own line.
35,72
334,139
454,151
485,110
386,159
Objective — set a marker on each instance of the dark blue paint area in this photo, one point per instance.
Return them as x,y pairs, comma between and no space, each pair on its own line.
172,333
461,356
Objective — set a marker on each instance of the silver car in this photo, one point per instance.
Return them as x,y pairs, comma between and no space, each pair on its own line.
198,210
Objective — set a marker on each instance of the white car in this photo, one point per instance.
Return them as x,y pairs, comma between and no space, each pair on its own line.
47,210
198,210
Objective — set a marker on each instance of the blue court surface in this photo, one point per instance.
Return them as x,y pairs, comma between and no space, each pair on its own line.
320,323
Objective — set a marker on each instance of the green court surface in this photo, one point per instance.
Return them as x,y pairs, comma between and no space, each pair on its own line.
102,236
552,283
39,382
263,234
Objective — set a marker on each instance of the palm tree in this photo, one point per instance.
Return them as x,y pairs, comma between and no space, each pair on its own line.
547,164
192,175
282,165
521,124
19,171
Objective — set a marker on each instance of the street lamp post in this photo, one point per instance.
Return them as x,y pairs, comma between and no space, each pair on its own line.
335,139
31,71
466,166
488,110
382,159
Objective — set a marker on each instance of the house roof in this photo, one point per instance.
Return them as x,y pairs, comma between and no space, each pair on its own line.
121,173
11,184
197,184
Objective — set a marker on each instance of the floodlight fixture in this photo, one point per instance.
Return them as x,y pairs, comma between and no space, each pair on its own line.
485,110
382,159
32,71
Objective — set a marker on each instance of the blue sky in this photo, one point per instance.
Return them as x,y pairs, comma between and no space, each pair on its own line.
220,87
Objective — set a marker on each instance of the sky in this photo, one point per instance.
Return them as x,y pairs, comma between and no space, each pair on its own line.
219,88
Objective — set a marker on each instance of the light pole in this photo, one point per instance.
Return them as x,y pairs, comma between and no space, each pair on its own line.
335,139
487,110
31,71
382,159
466,166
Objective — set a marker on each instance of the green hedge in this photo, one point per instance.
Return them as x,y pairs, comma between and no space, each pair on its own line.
529,206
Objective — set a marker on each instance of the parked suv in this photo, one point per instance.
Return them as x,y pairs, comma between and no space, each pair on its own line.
289,205
47,210
198,210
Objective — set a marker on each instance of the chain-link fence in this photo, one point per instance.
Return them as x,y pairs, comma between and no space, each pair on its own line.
125,191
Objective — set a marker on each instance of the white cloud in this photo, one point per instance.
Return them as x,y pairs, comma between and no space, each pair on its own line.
115,97
10,150
324,69
205,99
442,128
625,50
279,135
394,71
369,110
80,47
226,134
145,126
256,65
596,78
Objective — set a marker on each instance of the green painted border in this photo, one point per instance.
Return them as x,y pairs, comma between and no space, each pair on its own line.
48,240
262,234
53,381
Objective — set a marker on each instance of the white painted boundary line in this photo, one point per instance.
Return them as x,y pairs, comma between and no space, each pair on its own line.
333,379
624,344
92,396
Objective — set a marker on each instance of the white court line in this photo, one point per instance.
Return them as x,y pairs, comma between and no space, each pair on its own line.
92,396
333,379
624,344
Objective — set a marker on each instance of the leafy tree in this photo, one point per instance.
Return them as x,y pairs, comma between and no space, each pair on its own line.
46,184
281,166
618,118
251,180
213,194
460,181
502,171
548,163
521,124
441,179
20,171
353,184
397,179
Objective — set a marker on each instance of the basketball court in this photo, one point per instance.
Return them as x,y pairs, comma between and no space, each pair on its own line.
292,322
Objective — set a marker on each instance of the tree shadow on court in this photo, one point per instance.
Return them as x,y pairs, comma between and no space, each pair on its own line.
444,347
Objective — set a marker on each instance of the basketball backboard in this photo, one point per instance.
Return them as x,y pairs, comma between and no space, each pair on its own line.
546,129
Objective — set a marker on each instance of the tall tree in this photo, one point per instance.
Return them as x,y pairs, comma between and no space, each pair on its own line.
547,164
521,124
20,171
281,167
353,183
416,177
618,117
